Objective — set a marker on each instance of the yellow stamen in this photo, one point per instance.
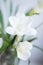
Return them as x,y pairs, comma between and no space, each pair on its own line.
14,46
20,49
33,12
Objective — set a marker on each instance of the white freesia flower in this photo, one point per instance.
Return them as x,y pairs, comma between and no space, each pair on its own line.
1,42
20,25
24,50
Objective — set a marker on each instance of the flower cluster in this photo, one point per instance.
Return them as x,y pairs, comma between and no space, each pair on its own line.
21,25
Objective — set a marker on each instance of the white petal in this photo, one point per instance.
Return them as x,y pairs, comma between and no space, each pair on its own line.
24,55
13,20
1,42
31,32
23,50
21,24
25,45
10,30
25,20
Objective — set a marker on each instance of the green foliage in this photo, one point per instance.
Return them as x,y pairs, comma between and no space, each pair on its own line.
31,39
0,35
10,8
6,42
1,24
16,10
3,48
5,0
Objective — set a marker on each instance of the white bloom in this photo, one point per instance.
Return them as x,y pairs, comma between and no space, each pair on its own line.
24,50
1,42
20,25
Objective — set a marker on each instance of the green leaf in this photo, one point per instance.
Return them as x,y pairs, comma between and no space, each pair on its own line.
16,10
1,24
10,42
6,43
35,46
1,21
31,40
0,35
10,8
5,0
3,48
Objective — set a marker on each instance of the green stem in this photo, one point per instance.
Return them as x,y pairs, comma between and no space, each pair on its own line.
12,41
28,62
38,47
15,57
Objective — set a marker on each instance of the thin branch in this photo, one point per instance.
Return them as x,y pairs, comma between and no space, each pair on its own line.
38,47
39,25
28,62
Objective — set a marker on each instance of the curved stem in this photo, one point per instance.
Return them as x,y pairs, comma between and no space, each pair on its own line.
28,62
39,25
38,47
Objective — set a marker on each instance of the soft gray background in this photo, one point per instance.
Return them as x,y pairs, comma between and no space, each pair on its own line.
25,5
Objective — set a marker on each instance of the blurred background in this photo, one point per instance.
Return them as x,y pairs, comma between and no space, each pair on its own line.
8,8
